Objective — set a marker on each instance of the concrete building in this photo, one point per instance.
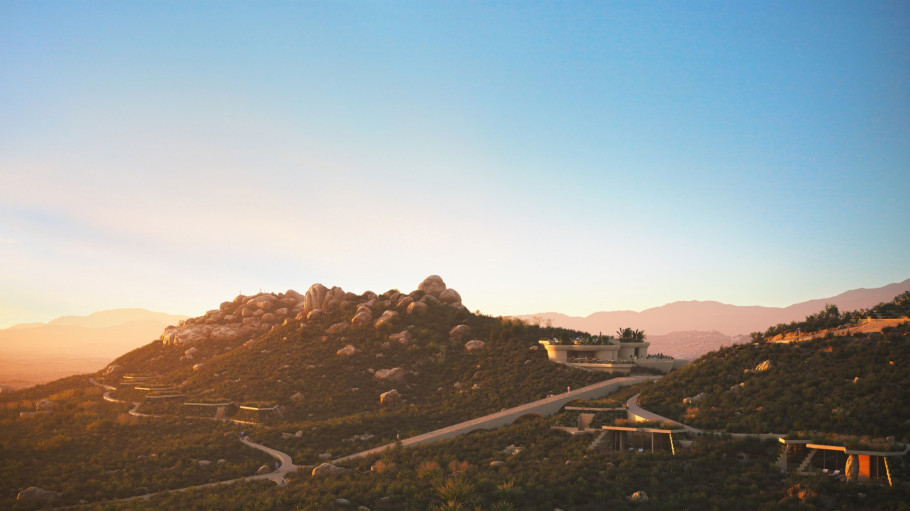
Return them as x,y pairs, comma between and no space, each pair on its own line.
807,456
611,356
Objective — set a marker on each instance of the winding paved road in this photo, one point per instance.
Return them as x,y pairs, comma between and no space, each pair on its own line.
638,411
547,406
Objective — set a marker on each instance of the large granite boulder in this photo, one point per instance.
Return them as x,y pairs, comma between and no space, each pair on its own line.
362,318
36,495
474,345
389,398
638,497
263,301
193,334
225,333
403,338
45,405
395,374
450,297
114,370
386,319
432,285
327,469
460,331
348,351
417,308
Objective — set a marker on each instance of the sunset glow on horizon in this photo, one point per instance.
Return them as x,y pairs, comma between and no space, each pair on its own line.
539,156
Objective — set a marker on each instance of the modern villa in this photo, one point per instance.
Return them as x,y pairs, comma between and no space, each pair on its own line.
608,355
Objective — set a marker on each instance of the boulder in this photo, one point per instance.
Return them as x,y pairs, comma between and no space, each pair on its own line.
417,308
36,495
362,318
430,300
226,306
298,398
474,345
347,351
450,296
263,301
851,469
460,331
327,469
338,328
395,374
404,338
269,317
192,334
114,370
432,285
314,297
45,406
389,398
190,352
386,319
764,366
314,314
197,367
282,312
224,333
404,302
264,469
638,497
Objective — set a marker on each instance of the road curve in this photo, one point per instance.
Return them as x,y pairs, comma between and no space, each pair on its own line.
638,411
546,406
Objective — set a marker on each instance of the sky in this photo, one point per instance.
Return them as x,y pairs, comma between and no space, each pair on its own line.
539,156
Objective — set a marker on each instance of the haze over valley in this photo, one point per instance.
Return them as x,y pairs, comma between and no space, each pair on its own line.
678,233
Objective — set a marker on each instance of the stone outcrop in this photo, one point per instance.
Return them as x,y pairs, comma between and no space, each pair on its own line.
396,374
474,345
403,338
36,495
45,405
114,370
363,318
764,366
638,497
327,469
460,331
386,319
417,308
694,399
246,317
348,351
432,285
389,398
449,297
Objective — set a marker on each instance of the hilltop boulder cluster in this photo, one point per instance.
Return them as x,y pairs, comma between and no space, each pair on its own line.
248,316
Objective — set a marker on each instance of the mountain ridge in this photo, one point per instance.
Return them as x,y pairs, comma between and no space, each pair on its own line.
72,344
734,322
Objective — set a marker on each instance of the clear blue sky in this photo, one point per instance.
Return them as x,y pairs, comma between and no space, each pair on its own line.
540,156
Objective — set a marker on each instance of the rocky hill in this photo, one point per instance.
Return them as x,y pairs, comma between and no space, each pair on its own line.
327,353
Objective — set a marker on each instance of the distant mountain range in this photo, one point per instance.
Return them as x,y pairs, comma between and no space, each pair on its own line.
691,328
32,353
